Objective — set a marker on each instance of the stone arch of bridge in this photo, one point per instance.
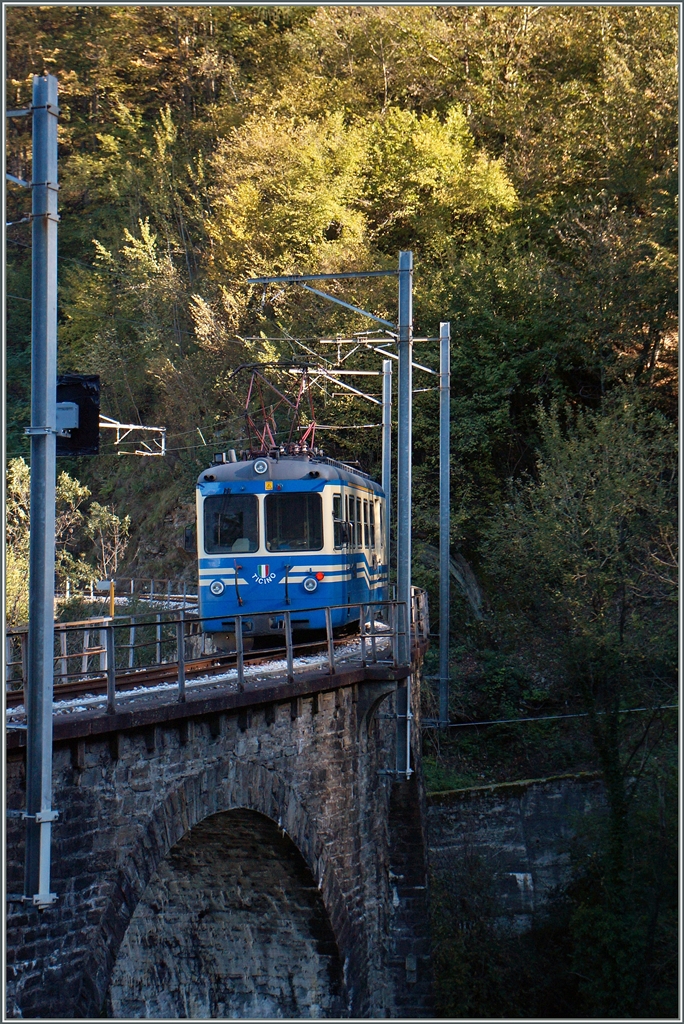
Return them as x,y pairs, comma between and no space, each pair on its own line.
224,786
231,925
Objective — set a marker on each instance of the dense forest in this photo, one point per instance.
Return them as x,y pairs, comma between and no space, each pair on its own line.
528,158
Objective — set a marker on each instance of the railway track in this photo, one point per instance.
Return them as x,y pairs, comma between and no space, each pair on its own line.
130,679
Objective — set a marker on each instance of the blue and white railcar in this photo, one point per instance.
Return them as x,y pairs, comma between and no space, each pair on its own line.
287,532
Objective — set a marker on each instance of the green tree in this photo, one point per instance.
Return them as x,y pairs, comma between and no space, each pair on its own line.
17,500
109,533
70,564
584,555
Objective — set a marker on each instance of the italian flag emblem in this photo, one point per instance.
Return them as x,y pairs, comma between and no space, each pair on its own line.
262,572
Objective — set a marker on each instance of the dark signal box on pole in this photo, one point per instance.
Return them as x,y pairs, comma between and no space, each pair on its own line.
81,390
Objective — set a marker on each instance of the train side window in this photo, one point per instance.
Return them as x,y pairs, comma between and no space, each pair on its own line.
231,523
351,518
382,524
337,520
359,523
366,528
371,513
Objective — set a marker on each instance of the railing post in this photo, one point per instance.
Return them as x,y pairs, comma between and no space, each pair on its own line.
24,657
111,669
103,650
86,645
159,637
63,664
371,615
180,650
362,624
239,654
131,645
329,638
288,647
394,626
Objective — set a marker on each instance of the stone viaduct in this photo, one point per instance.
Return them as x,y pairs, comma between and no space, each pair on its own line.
237,855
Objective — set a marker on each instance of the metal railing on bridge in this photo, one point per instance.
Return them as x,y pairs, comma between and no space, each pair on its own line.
160,592
102,650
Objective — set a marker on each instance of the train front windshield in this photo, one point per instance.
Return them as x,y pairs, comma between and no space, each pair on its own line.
294,522
231,523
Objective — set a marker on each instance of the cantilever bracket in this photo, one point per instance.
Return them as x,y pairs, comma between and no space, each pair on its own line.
39,816
124,429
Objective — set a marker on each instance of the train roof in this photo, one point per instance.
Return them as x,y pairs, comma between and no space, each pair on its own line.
286,467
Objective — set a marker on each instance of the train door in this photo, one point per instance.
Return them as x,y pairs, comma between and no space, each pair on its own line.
350,506
341,542
355,556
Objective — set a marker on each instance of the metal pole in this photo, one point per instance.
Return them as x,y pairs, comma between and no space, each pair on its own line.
444,516
43,463
387,453
404,438
404,445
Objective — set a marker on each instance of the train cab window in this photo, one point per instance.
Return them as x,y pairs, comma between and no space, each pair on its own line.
371,515
359,524
366,527
231,523
382,522
294,522
351,519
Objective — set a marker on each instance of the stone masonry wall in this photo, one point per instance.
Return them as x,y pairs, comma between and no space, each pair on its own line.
520,831
311,766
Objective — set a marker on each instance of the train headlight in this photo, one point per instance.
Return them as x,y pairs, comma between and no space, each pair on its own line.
217,587
310,584
260,466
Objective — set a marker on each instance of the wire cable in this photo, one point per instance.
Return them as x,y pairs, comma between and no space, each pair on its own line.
433,723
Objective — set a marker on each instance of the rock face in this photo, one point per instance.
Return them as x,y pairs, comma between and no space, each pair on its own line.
259,862
519,832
